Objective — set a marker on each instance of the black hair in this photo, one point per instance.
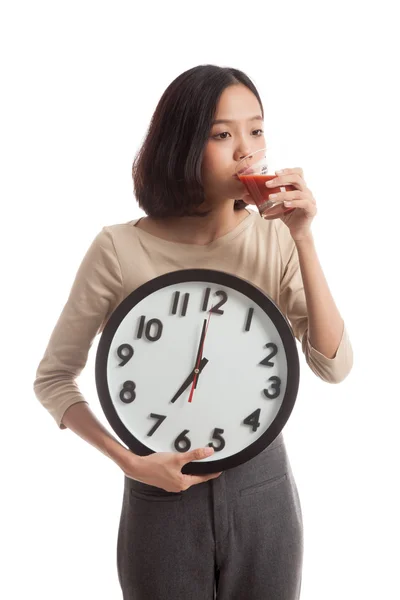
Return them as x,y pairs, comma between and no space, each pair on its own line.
167,168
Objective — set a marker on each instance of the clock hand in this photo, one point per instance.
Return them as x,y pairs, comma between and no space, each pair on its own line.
199,364
200,348
189,379
200,354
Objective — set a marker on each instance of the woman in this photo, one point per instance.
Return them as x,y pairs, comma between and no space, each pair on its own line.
238,534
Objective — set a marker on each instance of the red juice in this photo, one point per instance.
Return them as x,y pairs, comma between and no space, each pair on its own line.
255,185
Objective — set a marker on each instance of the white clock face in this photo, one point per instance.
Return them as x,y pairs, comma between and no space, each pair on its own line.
240,383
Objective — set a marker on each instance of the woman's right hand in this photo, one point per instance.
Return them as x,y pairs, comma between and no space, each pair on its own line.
163,469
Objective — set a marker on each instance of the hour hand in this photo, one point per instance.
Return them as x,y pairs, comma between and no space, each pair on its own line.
189,379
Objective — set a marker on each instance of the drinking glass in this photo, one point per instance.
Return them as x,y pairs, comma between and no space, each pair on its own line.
253,171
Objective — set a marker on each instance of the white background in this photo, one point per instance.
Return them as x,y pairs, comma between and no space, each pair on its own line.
80,81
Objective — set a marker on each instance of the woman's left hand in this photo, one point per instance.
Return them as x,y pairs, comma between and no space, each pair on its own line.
303,204
302,200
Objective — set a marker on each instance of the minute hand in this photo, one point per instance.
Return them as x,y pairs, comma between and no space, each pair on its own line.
200,354
189,380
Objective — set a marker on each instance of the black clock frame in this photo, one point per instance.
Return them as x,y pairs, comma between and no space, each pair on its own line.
239,284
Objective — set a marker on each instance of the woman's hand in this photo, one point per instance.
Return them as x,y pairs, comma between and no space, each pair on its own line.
301,199
299,221
163,469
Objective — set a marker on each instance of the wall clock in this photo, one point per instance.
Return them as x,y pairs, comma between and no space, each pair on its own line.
198,357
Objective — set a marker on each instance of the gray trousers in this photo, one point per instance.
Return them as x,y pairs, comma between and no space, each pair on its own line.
237,537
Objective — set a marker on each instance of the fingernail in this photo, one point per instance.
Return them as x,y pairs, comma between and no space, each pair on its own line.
287,203
208,450
272,196
279,172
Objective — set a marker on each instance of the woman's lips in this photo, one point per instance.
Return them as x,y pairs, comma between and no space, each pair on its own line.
248,169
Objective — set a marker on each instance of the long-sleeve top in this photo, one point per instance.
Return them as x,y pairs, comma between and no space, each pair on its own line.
122,257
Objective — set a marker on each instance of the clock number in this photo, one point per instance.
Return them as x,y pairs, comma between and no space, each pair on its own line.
217,308
148,334
206,298
184,303
217,436
157,425
125,357
266,362
276,385
128,394
184,440
249,318
253,419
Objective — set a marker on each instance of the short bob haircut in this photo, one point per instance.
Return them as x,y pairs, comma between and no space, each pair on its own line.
166,170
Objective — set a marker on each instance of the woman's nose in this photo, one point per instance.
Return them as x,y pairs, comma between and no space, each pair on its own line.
241,153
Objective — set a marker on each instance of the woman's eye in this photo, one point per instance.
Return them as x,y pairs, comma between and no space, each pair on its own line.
224,134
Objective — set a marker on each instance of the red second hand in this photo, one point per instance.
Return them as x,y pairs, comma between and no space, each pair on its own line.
199,360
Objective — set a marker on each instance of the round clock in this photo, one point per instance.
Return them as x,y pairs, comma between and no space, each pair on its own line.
198,357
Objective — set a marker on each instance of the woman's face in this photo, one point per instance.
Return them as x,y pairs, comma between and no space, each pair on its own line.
241,132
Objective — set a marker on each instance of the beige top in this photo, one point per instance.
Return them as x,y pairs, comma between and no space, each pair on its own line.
122,257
